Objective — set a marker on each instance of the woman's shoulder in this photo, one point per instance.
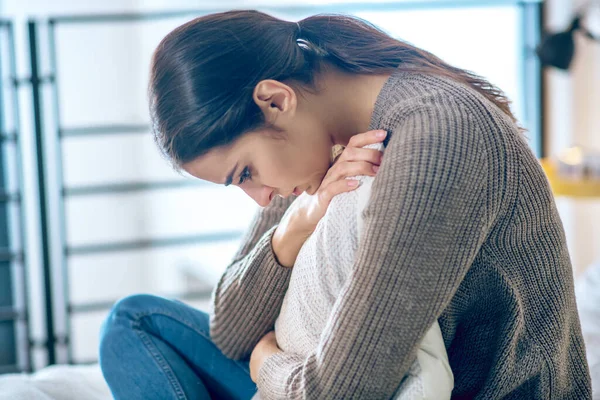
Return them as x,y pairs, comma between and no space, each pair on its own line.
437,99
446,116
442,141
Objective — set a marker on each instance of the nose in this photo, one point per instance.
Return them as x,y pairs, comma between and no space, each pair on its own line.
261,194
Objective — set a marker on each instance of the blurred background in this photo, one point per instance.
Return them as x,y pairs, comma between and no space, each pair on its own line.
89,212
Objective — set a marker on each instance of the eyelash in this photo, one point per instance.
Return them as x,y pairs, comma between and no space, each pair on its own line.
245,175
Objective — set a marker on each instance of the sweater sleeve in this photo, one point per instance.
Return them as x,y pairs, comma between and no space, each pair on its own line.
247,299
423,227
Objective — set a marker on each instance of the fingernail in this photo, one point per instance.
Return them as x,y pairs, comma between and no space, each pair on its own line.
352,182
381,134
375,168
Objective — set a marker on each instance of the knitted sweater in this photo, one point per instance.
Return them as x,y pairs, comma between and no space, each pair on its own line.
462,228
320,272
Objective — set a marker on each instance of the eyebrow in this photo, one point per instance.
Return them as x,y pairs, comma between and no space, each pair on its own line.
229,178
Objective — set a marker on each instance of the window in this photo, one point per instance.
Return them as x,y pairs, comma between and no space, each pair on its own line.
120,221
493,39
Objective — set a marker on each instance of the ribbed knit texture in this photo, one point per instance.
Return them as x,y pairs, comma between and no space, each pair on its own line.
320,273
461,227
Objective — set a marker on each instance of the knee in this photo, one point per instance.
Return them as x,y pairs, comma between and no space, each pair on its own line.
137,304
122,316
130,308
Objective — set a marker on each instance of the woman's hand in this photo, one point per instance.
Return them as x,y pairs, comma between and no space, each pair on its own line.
264,348
301,221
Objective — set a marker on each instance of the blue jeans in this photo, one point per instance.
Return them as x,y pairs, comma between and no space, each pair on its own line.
156,348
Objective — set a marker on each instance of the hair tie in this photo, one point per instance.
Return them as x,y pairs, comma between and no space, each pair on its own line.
309,46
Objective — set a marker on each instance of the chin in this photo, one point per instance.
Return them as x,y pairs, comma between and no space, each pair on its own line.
312,189
315,184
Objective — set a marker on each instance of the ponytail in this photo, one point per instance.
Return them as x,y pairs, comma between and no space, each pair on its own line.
357,46
204,72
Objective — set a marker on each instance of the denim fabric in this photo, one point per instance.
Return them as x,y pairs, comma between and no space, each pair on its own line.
155,348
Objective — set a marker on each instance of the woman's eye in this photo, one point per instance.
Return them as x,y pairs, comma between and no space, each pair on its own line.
245,175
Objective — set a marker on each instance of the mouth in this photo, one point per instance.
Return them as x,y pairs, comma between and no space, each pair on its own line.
297,191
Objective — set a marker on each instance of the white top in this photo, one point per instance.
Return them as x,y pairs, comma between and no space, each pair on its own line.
323,265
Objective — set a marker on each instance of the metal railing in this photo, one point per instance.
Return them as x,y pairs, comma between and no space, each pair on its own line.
60,133
13,262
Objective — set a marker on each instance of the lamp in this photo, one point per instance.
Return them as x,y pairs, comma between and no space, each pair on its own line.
557,50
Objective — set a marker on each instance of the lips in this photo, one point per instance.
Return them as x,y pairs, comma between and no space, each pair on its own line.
296,191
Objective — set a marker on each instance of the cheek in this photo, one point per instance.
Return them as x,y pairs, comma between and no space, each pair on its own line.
297,159
275,171
292,168
310,145
312,166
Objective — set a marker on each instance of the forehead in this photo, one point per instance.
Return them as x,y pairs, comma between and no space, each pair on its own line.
215,165
212,166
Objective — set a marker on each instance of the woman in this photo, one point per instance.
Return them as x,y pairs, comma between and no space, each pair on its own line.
461,226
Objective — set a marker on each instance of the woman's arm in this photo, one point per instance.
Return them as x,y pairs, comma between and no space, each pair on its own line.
427,219
248,298
252,286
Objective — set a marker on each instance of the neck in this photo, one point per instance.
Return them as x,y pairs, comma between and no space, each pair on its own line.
345,102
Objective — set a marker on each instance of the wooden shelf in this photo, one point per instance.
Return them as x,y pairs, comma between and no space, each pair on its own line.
570,187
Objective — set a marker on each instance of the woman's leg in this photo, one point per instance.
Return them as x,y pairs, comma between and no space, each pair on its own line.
156,348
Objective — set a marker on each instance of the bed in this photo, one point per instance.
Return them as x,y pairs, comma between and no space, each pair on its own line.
587,290
63,382
58,382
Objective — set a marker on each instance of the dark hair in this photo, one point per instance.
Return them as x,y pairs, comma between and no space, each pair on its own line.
204,72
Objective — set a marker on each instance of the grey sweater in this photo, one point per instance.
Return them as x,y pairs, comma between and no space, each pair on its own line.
461,227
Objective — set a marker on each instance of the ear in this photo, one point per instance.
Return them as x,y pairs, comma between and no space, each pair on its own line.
275,99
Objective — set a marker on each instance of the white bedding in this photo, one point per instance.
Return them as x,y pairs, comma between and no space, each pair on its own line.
587,290
62,382
58,382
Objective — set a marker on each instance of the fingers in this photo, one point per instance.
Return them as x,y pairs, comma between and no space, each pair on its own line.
334,188
354,161
350,169
357,154
364,139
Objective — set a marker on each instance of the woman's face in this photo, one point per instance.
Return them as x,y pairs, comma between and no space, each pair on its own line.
265,166
268,162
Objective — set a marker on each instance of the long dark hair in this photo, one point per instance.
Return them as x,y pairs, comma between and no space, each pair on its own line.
204,72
